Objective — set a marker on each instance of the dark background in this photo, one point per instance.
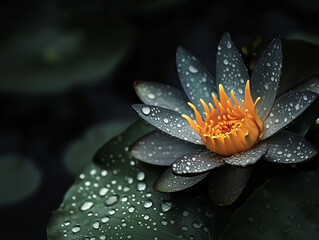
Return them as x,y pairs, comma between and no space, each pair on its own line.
39,119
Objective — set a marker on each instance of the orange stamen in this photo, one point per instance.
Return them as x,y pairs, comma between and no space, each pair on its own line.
231,127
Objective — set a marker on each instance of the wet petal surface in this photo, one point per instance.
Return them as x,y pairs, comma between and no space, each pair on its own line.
198,83
197,162
312,84
169,182
168,121
289,147
227,183
286,108
230,69
248,157
265,77
161,149
162,95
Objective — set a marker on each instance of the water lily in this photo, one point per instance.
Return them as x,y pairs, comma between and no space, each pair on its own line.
230,120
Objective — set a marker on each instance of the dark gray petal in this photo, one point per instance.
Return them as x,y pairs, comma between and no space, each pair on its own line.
265,77
169,122
169,182
161,149
197,81
197,162
289,147
230,69
249,157
227,183
312,84
286,108
163,95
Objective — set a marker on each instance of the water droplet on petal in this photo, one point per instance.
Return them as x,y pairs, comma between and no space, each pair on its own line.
146,110
151,96
297,106
228,44
192,69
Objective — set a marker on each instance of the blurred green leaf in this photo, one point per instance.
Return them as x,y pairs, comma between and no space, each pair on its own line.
304,36
19,178
279,209
118,201
58,47
80,153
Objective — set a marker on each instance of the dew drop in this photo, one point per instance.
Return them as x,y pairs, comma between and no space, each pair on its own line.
185,213
141,186
305,97
96,225
105,219
297,106
146,110
192,69
148,203
103,191
76,229
228,44
225,61
111,200
102,237
86,206
165,120
266,86
140,176
151,96
131,209
240,90
197,224
166,206
164,222
184,228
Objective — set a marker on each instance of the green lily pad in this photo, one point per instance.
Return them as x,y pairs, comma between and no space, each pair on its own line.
80,153
19,178
116,200
279,209
53,52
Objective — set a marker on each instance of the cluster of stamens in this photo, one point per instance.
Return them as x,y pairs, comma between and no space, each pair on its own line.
230,127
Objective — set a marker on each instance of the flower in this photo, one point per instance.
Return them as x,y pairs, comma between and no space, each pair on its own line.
237,131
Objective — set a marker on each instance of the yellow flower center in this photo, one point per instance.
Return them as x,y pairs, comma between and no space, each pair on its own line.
231,128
